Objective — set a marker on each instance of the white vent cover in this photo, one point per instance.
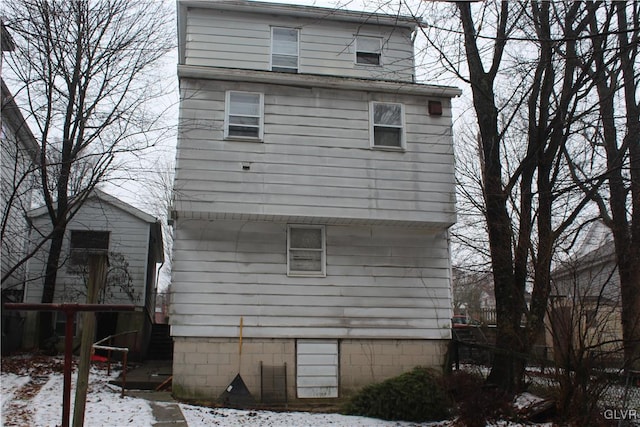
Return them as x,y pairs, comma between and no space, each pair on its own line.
317,368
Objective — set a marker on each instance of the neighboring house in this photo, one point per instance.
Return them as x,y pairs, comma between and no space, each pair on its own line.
314,191
133,241
18,157
585,308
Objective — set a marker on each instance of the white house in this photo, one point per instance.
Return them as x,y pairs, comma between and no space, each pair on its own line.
133,241
19,155
313,195
17,161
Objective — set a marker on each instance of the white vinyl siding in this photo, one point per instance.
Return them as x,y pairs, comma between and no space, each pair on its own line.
284,49
128,237
305,250
317,368
244,116
235,40
15,164
316,159
387,125
384,282
368,50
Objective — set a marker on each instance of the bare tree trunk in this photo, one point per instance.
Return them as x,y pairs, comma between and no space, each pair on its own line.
508,293
622,157
46,329
630,265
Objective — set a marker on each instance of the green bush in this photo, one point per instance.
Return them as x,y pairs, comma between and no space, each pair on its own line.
416,396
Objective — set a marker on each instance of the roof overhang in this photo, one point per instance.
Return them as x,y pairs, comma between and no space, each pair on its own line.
300,11
316,80
106,198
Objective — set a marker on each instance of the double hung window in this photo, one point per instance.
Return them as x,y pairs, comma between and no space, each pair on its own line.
368,50
387,125
284,49
306,250
244,115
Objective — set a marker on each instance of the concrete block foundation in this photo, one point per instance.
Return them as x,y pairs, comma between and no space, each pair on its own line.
204,367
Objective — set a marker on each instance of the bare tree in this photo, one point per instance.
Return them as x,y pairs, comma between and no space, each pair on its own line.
528,99
614,135
83,69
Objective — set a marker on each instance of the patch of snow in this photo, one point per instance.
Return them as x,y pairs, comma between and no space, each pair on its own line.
104,405
526,400
10,383
198,416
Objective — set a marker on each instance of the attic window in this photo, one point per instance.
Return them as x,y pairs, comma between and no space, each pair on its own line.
284,49
368,50
305,251
85,242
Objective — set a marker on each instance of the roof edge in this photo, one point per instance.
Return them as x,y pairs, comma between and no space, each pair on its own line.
316,80
107,198
304,11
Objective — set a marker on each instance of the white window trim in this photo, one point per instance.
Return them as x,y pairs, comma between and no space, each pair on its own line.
227,110
323,250
403,127
297,69
356,50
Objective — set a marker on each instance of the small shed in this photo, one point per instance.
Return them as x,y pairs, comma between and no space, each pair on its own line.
133,241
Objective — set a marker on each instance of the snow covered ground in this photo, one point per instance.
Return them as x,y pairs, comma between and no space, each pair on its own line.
32,396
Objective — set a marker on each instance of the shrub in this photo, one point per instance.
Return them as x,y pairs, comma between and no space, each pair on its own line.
476,404
416,396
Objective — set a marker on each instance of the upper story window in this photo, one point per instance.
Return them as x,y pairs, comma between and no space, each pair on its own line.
85,242
284,49
306,250
387,125
368,50
244,115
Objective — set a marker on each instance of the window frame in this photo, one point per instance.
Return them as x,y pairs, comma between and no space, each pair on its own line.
297,56
60,324
362,51
372,127
323,252
228,115
80,253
